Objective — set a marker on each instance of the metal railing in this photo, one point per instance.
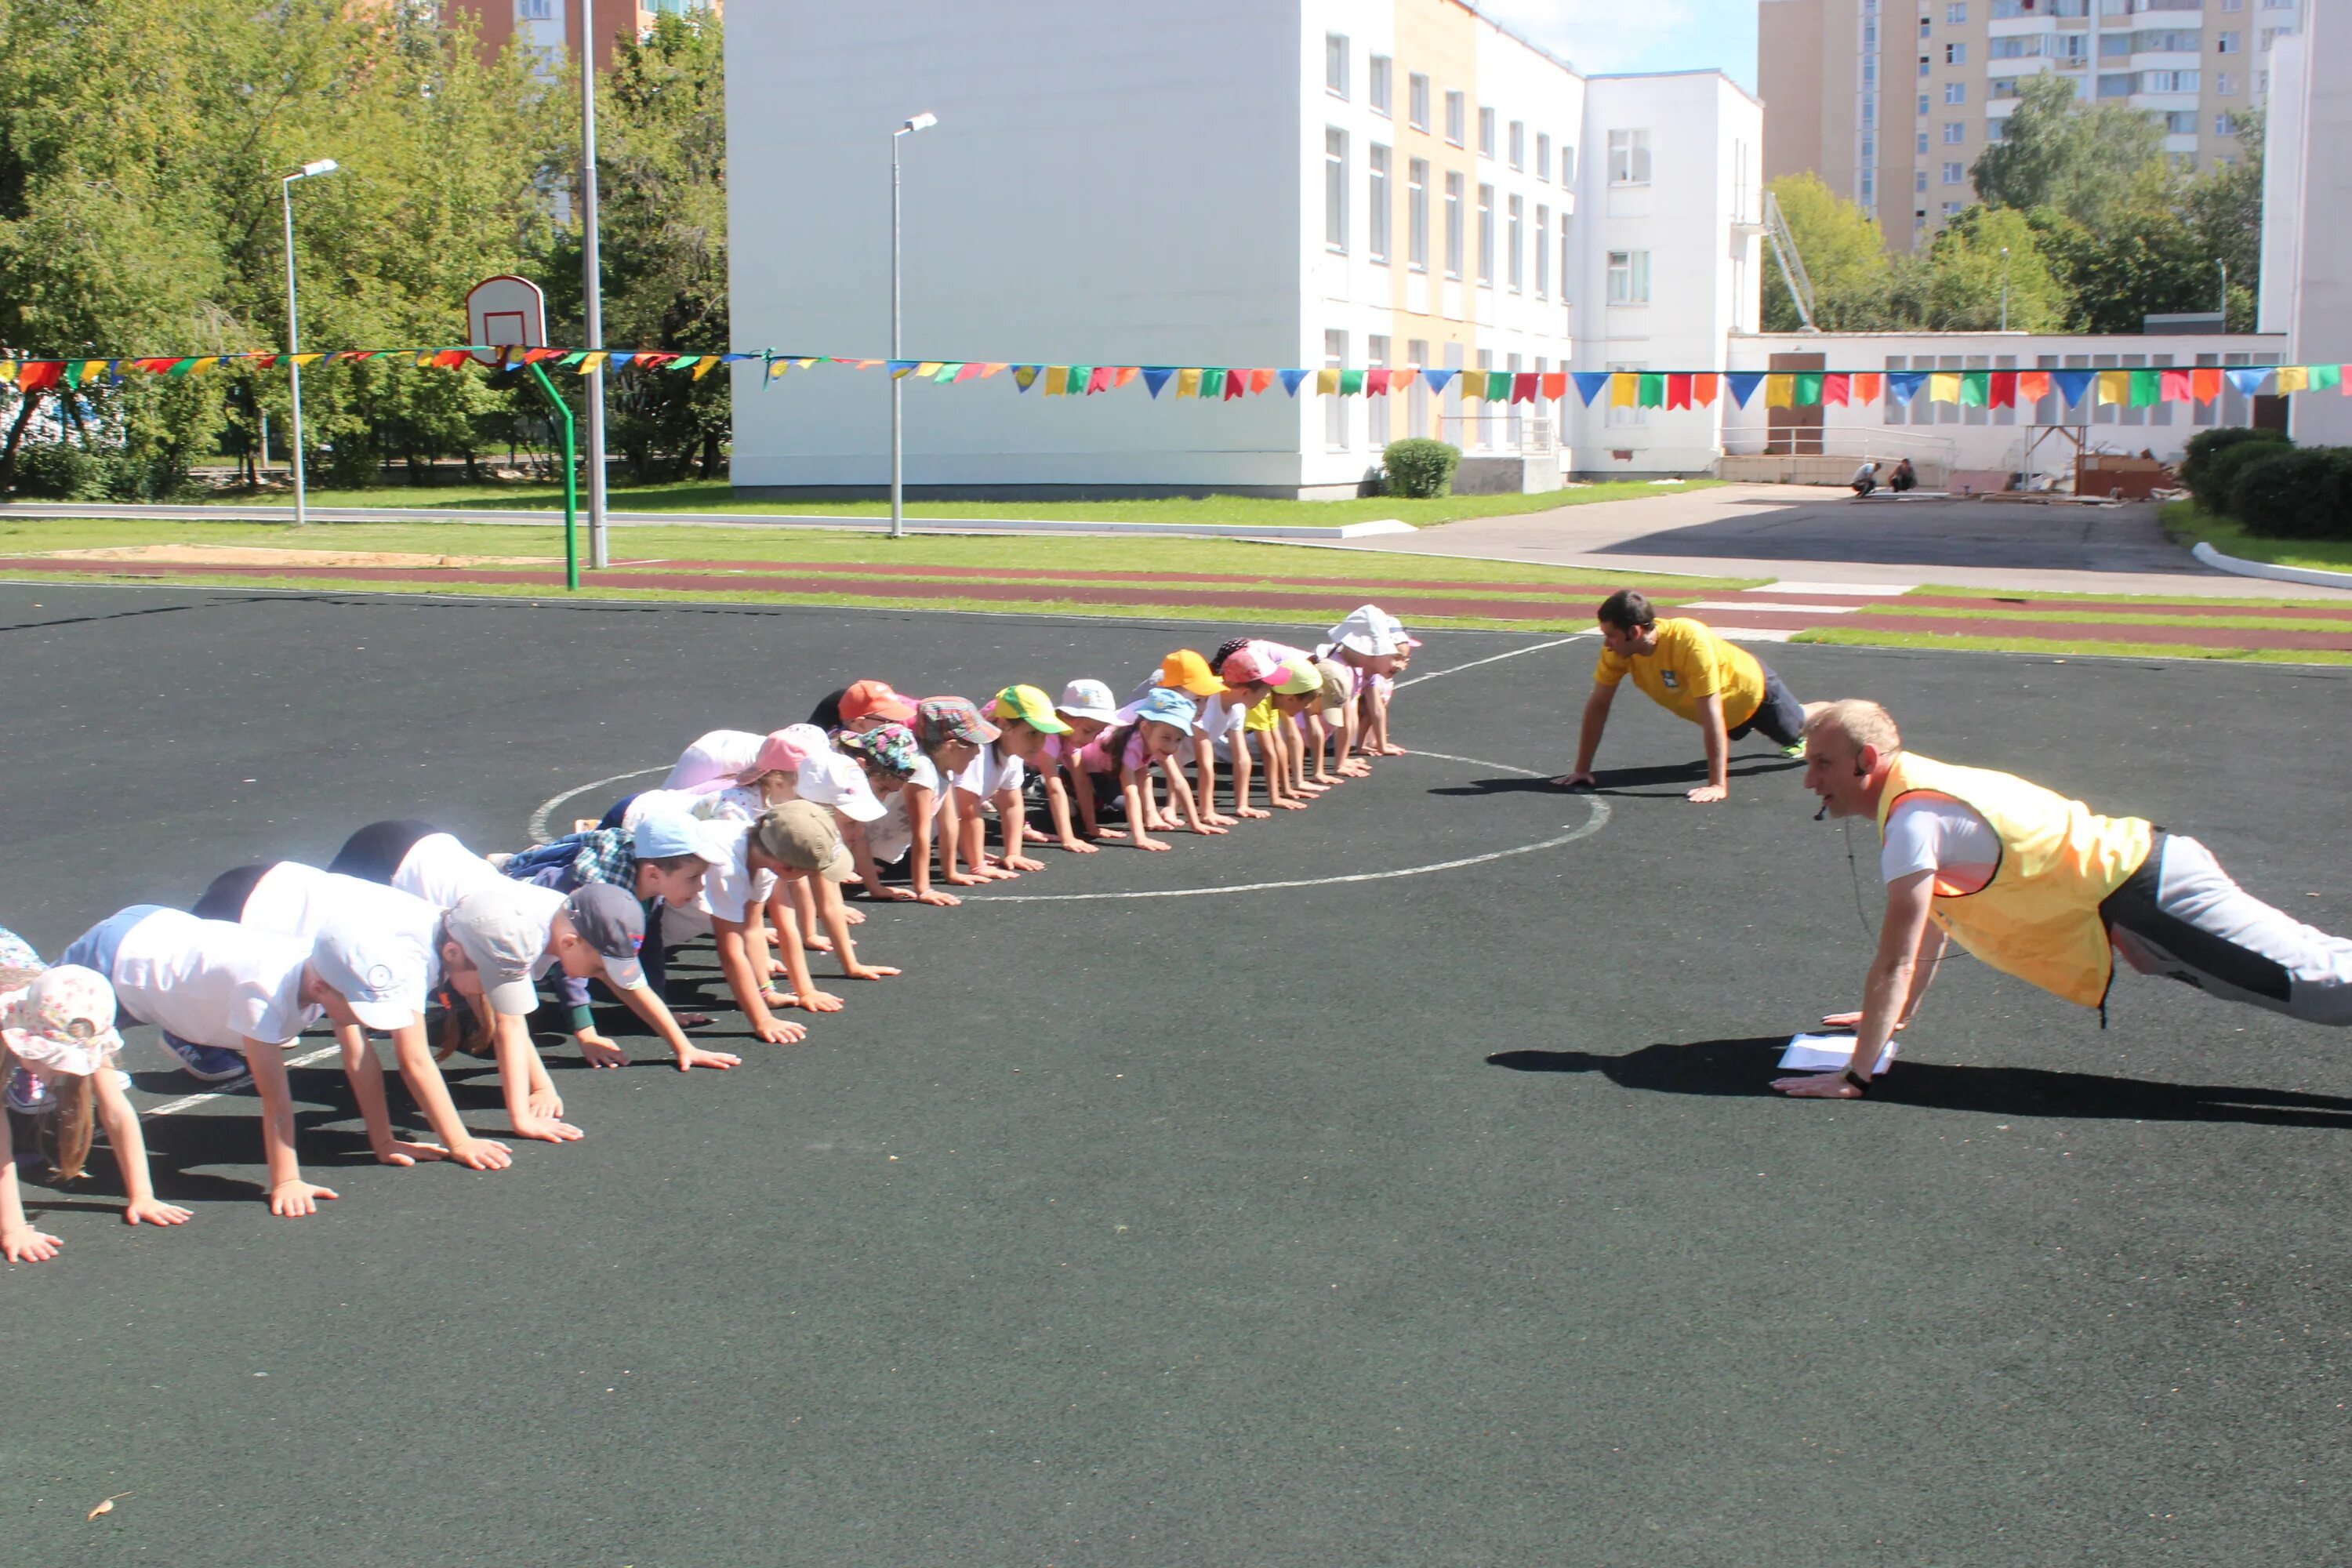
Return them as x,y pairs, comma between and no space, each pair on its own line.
1862,443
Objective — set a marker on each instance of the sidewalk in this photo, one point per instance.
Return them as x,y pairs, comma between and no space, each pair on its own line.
1815,536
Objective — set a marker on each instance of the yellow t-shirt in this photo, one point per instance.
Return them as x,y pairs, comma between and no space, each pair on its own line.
1689,663
1260,717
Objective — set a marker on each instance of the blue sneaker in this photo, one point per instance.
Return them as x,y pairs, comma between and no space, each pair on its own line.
27,1095
211,1064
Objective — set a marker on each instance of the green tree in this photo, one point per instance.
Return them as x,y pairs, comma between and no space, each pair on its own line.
2083,160
1844,254
1956,283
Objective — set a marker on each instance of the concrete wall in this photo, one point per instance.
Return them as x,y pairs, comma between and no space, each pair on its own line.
1998,438
1088,196
2307,259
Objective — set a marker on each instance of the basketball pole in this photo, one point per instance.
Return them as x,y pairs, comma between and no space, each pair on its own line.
593,285
571,479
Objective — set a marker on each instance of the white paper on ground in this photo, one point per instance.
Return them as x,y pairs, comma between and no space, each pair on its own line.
1829,1053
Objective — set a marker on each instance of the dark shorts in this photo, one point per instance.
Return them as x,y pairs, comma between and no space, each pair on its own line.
1780,716
225,900
375,851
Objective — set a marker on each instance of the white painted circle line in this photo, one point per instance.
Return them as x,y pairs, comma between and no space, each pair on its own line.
1596,819
546,808
189,1102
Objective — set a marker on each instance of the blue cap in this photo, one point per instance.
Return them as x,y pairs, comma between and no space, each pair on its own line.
660,835
1168,706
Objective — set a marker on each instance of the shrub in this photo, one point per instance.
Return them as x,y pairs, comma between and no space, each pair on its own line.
1419,467
2295,492
2206,444
59,471
2220,474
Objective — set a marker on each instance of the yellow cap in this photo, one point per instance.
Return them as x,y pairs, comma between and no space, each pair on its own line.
1188,671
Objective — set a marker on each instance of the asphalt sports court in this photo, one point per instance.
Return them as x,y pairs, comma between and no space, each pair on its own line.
1339,1217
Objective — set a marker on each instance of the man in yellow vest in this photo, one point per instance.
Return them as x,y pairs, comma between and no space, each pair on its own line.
2040,887
1692,673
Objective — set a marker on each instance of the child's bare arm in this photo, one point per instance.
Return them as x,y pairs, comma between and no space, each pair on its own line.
120,1120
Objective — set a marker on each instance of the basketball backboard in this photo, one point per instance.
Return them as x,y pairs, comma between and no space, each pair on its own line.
505,312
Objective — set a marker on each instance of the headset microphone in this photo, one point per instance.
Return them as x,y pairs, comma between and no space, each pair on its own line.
1823,815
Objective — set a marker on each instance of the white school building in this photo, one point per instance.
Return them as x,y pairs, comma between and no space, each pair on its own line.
1242,183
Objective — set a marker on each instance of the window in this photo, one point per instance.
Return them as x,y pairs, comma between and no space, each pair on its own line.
1379,93
1923,65
2168,81
1566,264
2270,33
1416,101
1951,210
1543,250
1625,419
2278,4
1335,409
1954,174
1515,243
1955,54
2224,85
1957,14
2225,124
1519,145
1923,145
1376,410
1454,224
1927,25
1543,155
1487,235
1335,189
1485,132
1458,110
1918,180
1568,163
1416,214
2229,43
2116,46
1485,416
1923,105
1996,131
1956,92
1377,198
1629,277
1956,132
1512,427
1629,157
2180,122
538,10
2001,87
1335,65
2234,5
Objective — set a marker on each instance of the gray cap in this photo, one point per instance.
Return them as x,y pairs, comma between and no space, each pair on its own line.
802,834
613,923
498,933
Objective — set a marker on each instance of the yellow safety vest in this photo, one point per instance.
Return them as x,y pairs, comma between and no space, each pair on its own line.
2038,919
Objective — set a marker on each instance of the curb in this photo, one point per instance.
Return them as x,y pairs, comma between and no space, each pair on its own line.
2312,576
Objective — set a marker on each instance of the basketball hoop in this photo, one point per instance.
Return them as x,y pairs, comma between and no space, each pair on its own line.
505,312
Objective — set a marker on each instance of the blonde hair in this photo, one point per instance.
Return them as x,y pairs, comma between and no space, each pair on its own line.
1863,724
68,1128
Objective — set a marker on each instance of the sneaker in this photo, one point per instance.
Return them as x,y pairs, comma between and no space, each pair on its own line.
28,1095
211,1064
1797,750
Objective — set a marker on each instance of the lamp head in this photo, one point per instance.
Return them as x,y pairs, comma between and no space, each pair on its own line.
920,123
312,170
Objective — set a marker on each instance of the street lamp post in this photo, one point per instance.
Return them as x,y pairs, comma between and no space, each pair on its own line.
2004,287
898,386
591,282
2225,294
324,166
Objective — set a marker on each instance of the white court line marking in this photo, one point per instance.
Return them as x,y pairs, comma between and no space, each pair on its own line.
538,830
191,1101
1774,606
1594,823
1531,648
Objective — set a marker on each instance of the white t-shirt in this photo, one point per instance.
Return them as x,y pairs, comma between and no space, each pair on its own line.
734,804
988,772
295,899
440,870
1927,833
1221,722
732,889
212,983
720,754
891,834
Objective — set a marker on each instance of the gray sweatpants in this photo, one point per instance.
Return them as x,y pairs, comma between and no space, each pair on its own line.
2179,914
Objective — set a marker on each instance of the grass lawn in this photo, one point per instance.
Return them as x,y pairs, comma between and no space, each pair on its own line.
714,495
2059,601
2066,647
2186,523
2065,615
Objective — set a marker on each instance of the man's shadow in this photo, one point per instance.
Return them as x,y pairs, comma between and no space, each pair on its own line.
1681,776
1745,1067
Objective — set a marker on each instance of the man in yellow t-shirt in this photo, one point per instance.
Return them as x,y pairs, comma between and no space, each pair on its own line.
1690,672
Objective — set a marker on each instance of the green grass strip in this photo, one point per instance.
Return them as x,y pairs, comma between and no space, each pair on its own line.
2187,525
2085,648
2061,615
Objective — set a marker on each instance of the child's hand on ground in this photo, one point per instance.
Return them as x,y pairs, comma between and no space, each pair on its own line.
1394,749
400,1152
1211,830
1019,863
481,1155
776,1032
292,1200
868,971
1078,847
959,879
889,895
852,917
152,1211
1251,811
1143,843
546,1129
601,1052
545,1104
937,900
696,1057
26,1244
812,1000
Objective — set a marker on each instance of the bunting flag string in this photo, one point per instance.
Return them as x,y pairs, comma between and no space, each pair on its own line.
1668,390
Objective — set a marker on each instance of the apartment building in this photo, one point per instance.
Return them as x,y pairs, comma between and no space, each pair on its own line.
1891,101
2306,287
1352,183
551,28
